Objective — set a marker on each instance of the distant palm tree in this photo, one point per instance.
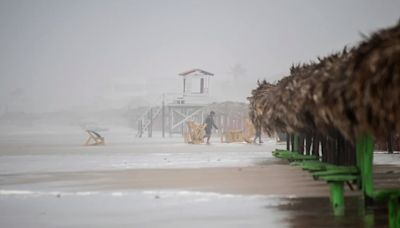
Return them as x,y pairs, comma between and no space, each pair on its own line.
238,71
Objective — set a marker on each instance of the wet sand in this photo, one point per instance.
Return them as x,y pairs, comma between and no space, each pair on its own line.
263,180
273,195
275,179
163,183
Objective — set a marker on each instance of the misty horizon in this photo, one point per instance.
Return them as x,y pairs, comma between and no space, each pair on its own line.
110,54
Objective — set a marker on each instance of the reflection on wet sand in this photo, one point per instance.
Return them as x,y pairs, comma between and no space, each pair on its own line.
317,212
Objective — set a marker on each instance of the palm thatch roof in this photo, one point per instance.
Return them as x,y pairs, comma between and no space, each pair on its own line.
354,92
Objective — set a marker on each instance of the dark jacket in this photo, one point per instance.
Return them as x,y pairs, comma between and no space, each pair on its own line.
210,123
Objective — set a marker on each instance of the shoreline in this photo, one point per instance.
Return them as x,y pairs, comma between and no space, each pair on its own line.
272,179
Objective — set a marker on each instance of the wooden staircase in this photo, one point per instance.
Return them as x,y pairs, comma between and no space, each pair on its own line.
146,120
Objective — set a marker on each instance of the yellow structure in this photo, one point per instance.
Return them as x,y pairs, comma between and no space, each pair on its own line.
195,134
232,136
246,135
249,131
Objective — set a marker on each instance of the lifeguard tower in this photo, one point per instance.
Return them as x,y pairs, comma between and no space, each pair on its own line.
196,84
176,109
195,97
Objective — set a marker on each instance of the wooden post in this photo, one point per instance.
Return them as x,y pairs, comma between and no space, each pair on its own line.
292,142
184,111
351,151
301,144
140,128
315,145
390,143
323,148
170,119
163,116
341,150
287,141
296,144
150,127
330,150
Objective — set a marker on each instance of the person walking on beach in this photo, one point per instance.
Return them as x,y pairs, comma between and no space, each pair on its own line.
258,135
209,125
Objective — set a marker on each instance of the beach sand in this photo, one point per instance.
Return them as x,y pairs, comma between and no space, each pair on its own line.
160,183
274,179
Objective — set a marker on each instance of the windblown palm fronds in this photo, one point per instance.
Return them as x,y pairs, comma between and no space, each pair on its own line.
352,92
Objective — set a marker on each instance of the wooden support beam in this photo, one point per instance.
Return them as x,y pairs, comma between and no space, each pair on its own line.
170,121
163,117
150,127
179,113
296,143
186,118
390,143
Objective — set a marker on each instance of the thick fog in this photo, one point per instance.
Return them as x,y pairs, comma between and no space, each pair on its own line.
69,55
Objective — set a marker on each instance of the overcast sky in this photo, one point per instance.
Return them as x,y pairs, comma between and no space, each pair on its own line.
62,54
